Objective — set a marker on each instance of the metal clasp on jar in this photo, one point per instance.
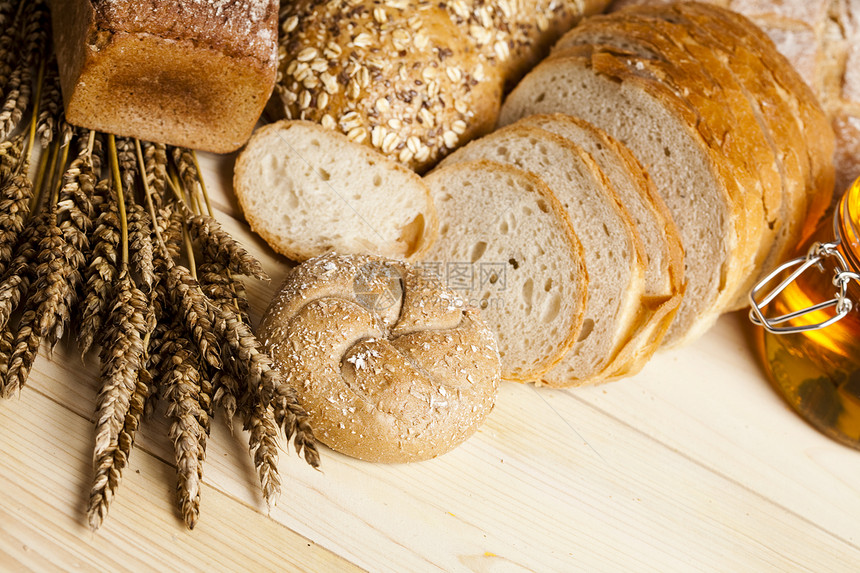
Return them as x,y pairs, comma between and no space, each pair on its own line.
817,254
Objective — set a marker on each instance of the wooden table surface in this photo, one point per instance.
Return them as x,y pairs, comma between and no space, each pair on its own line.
693,465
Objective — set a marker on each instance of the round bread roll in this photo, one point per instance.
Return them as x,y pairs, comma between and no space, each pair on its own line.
398,76
391,365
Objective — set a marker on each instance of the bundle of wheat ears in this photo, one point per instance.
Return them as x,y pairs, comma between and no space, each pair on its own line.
115,239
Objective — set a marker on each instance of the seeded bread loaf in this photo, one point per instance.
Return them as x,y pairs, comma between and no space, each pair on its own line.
390,365
308,190
506,243
513,35
412,78
400,79
191,73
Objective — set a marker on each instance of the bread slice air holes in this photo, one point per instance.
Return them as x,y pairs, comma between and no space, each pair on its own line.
527,292
478,250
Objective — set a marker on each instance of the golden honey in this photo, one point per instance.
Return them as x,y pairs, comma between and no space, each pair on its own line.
818,370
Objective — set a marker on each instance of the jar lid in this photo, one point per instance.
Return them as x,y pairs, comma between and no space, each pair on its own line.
820,255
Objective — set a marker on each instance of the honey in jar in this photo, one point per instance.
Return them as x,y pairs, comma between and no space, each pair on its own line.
809,311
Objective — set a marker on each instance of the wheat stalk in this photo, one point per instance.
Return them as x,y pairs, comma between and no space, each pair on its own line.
10,157
17,98
154,159
187,171
255,366
263,445
51,105
127,159
140,244
18,88
7,37
223,288
219,246
53,291
102,269
16,280
122,357
225,291
191,304
24,350
7,340
15,196
37,20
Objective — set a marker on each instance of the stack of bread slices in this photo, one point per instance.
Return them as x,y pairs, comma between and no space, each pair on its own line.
646,174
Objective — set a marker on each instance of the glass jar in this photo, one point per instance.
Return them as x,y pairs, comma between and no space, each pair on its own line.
810,340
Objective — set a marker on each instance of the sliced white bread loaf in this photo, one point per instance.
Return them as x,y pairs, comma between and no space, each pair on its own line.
725,52
614,254
648,48
664,269
693,178
514,252
308,190
751,45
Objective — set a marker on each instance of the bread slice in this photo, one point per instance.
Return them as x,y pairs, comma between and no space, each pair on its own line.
507,245
308,190
662,131
725,109
664,256
664,271
817,130
614,254
725,56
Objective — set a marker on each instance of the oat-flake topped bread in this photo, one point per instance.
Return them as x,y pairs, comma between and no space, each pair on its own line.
391,365
194,73
396,75
515,34
412,78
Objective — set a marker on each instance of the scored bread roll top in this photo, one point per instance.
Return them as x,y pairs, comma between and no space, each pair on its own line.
398,76
390,365
190,73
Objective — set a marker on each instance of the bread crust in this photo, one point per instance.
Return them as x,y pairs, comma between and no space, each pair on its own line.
780,129
390,365
181,72
817,129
